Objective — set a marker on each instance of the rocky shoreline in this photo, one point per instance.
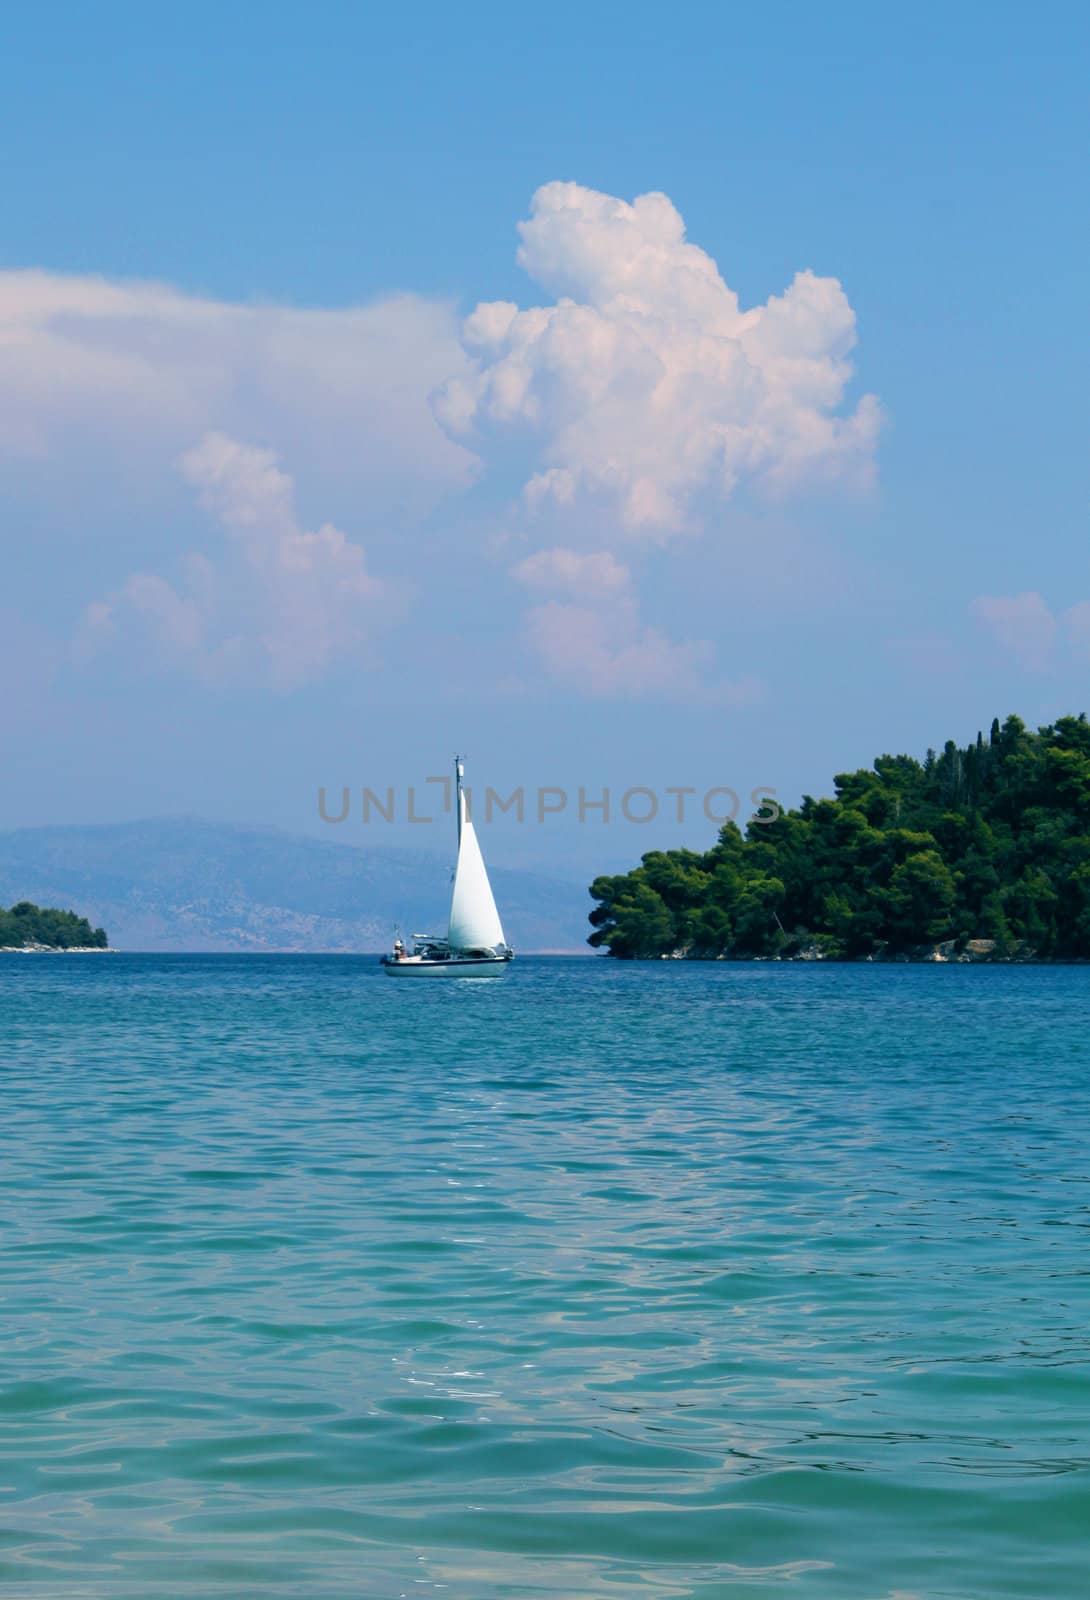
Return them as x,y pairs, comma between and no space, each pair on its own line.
978,952
57,950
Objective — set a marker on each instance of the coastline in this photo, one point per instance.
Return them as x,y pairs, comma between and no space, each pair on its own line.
975,952
58,950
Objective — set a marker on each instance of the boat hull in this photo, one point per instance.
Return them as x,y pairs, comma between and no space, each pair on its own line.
420,966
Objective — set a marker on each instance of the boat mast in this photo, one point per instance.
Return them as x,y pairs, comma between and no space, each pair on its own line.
458,771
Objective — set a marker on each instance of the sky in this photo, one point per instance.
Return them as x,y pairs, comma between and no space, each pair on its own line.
623,395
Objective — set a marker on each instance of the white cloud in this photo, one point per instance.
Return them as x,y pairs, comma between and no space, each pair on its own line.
133,372
297,600
645,382
241,485
642,385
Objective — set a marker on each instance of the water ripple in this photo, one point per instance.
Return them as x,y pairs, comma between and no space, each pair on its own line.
604,1281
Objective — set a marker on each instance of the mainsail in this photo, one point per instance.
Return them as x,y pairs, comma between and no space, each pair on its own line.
474,920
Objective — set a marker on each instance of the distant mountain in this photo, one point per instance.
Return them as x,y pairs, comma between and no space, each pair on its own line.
179,883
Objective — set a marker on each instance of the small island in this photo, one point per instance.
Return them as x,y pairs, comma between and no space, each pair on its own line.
974,854
31,927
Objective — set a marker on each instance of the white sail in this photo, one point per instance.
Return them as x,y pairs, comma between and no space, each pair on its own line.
474,920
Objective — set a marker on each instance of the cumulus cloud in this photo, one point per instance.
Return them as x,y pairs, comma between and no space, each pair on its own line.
132,372
589,635
644,381
640,384
304,598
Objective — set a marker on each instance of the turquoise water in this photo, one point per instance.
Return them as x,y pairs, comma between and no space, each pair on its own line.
596,1280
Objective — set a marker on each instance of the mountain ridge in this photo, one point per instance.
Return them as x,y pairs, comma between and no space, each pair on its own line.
186,883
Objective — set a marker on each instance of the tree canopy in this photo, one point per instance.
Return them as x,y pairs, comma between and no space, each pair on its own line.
990,842
27,924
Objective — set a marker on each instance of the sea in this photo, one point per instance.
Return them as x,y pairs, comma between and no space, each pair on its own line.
633,1281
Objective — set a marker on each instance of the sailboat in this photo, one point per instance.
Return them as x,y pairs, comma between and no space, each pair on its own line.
474,945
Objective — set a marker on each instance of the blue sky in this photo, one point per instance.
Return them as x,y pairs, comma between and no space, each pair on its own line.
249,549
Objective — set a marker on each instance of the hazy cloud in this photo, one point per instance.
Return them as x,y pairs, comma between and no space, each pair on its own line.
1027,628
285,602
1077,625
137,370
594,640
585,574
610,653
1022,624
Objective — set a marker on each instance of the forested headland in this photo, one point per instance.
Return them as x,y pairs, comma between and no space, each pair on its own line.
983,851
28,926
